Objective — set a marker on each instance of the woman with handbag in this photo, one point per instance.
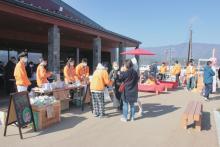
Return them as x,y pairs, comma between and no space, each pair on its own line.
128,89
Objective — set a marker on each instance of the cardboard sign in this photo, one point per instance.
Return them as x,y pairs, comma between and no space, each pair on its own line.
19,112
50,111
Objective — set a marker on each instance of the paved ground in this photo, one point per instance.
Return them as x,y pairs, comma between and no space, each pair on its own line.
159,127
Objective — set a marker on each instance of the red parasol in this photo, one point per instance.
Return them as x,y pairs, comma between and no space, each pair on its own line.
138,51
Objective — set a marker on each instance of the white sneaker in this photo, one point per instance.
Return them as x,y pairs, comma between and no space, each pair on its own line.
123,119
132,119
140,113
206,99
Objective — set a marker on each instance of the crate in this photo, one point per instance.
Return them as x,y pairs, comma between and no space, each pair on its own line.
40,115
77,102
65,104
61,94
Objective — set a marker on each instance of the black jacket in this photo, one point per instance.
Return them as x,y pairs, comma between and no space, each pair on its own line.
219,73
115,76
130,93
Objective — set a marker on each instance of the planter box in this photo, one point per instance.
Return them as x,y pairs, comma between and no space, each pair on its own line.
41,115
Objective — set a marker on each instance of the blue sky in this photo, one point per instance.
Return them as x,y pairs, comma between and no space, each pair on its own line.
156,22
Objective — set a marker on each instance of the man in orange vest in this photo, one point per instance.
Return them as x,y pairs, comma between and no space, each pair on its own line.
177,71
190,76
82,70
163,70
20,73
42,74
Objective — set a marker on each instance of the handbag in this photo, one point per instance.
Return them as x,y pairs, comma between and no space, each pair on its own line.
122,86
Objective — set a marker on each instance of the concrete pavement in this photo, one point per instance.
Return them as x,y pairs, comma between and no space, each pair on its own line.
158,127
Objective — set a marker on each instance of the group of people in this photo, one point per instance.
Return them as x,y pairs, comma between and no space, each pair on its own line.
125,75
153,76
23,72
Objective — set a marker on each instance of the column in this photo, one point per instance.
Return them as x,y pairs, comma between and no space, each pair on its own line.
77,56
96,51
54,49
138,60
121,49
114,55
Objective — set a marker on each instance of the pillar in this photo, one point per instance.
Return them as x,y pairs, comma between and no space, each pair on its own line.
77,56
121,49
138,60
96,51
114,56
54,49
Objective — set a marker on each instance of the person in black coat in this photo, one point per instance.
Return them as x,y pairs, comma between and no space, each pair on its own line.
114,76
153,70
9,74
130,94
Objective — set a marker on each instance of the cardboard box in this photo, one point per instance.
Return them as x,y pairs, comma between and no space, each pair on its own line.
40,115
65,104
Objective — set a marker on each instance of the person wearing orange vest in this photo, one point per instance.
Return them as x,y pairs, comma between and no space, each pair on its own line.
69,72
190,76
42,74
82,70
163,70
20,73
97,85
150,81
177,71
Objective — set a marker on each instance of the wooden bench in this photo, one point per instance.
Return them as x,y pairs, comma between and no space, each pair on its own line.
193,115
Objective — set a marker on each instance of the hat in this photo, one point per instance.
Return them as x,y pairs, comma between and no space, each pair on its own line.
100,66
22,54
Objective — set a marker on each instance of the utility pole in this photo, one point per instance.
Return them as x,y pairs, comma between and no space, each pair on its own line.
190,46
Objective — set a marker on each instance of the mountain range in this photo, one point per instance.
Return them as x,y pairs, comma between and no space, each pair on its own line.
179,51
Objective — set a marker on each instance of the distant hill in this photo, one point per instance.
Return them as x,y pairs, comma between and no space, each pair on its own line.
179,51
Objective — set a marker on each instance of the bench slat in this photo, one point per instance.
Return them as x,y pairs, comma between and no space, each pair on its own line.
192,111
198,111
187,110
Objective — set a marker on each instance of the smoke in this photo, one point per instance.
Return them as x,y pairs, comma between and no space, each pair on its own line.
193,20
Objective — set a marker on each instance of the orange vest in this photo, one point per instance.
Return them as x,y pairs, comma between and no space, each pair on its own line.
82,72
163,69
69,74
190,71
176,69
42,75
21,75
150,82
99,80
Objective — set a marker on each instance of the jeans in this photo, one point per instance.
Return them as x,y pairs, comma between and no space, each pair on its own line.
125,110
208,90
191,83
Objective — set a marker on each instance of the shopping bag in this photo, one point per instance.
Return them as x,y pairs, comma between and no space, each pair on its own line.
106,94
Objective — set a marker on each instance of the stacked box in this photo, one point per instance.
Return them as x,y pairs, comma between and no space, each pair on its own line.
40,115
63,96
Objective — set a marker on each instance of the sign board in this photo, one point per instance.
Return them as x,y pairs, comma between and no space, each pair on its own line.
19,112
